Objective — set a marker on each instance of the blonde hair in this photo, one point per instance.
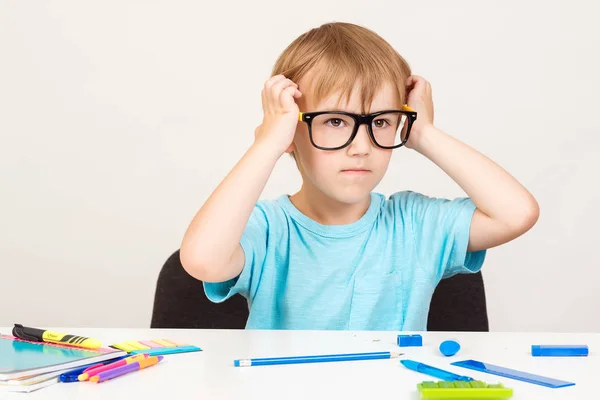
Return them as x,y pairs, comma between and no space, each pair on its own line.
344,55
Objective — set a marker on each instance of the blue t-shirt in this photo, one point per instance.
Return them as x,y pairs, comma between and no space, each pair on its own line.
378,273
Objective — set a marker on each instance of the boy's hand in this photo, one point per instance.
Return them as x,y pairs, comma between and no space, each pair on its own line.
420,100
280,114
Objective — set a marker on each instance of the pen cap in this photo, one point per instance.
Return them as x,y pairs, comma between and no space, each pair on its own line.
25,333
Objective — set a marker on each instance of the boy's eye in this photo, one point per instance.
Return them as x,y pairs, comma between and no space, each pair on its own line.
380,123
335,122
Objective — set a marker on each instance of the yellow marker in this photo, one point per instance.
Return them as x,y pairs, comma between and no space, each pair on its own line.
164,343
41,335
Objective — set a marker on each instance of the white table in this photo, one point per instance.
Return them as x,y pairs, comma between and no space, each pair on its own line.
210,374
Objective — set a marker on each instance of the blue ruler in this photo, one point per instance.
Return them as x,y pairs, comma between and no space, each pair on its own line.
512,374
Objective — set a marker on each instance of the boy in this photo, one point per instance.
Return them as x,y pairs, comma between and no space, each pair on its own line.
335,255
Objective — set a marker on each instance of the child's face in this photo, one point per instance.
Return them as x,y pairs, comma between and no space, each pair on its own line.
347,175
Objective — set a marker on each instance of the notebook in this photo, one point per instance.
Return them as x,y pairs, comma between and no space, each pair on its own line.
30,383
20,358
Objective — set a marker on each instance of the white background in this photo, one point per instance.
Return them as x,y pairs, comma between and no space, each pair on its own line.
118,118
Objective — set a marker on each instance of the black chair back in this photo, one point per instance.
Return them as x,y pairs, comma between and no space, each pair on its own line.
458,303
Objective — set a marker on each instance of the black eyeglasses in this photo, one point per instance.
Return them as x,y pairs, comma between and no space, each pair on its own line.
334,130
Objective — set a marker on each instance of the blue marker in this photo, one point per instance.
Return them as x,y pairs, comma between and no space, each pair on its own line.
433,371
71,376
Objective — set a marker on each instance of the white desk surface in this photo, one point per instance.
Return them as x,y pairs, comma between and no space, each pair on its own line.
210,374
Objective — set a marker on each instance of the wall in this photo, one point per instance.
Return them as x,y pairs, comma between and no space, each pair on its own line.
117,120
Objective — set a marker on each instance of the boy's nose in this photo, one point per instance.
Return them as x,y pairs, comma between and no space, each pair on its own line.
361,145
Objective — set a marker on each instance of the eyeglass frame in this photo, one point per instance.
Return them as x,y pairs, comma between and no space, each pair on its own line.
359,119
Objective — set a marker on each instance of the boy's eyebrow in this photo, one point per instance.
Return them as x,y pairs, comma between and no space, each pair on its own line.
321,109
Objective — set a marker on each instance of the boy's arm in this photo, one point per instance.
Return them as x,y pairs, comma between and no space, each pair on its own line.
211,250
505,209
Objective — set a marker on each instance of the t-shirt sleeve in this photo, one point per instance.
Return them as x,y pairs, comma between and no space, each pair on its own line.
441,230
254,245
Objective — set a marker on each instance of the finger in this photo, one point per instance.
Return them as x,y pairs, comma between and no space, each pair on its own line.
279,86
263,99
286,98
417,81
278,82
411,80
270,98
273,80
298,94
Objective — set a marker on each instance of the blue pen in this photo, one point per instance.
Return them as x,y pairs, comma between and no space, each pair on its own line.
433,371
314,359
71,376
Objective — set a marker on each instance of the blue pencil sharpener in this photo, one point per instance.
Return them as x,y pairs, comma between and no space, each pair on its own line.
410,340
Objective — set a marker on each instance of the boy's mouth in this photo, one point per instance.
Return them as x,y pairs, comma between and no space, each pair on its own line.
356,171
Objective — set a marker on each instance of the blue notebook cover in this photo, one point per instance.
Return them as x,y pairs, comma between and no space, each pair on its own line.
20,358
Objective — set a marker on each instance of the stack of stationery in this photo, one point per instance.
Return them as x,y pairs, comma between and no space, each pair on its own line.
36,362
